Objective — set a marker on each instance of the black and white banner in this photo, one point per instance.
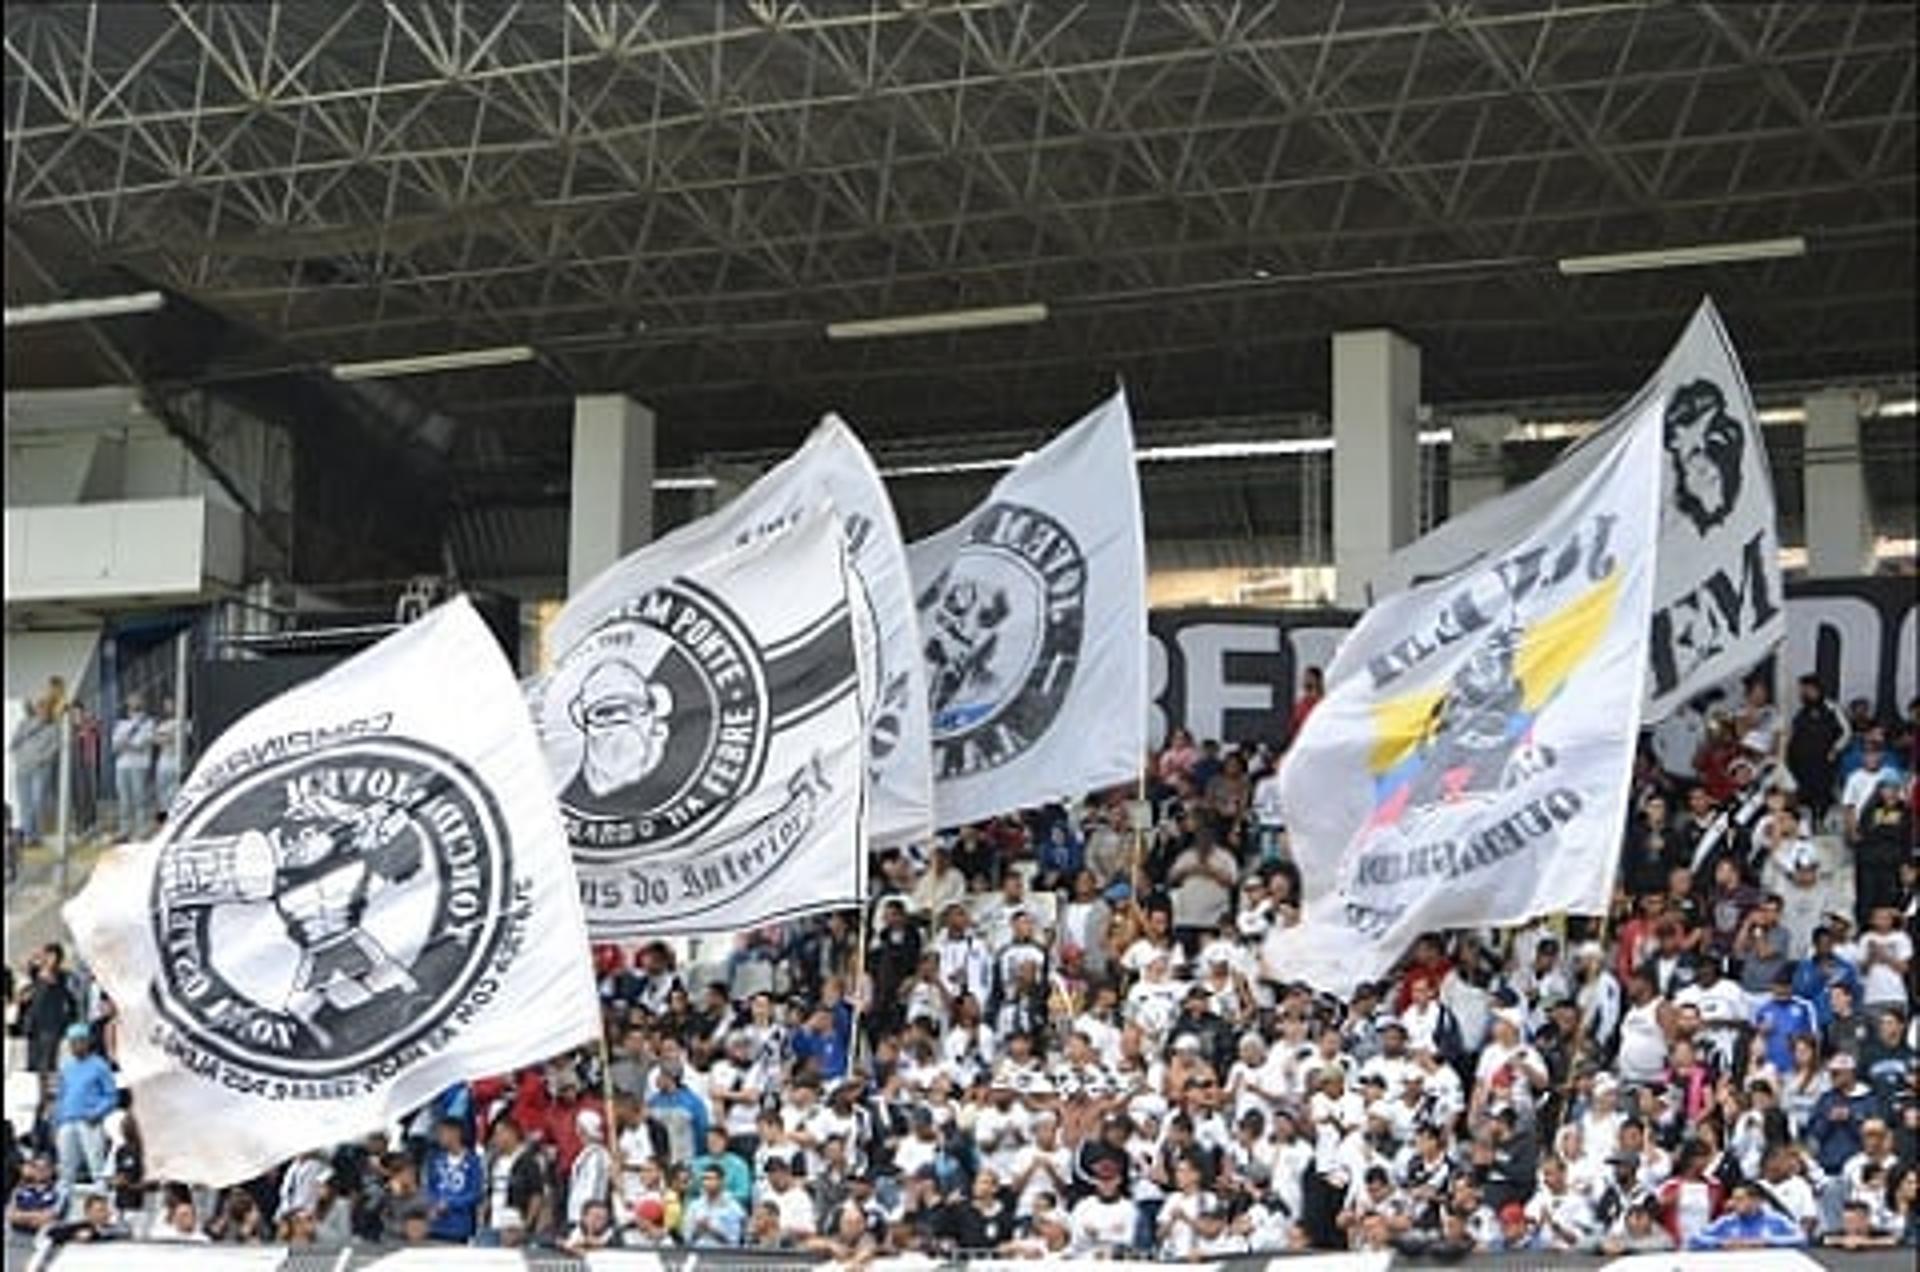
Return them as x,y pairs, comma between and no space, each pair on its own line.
706,736
1717,607
362,897
834,467
1033,615
1233,673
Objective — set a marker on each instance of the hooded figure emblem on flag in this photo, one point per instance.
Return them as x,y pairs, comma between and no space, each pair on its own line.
705,731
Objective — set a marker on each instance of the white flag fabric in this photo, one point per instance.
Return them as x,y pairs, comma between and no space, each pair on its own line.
362,896
1718,606
1033,618
834,467
1469,765
706,737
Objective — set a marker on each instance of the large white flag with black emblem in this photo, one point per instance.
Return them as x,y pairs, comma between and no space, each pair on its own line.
1469,766
834,467
1033,620
1718,608
362,896
706,737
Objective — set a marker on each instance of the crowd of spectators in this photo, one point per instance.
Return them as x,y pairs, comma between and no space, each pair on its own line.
1059,1040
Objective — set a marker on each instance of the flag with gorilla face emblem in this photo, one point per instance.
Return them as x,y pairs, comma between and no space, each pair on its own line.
1033,618
1718,607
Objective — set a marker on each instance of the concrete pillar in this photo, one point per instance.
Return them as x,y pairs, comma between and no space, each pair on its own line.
611,506
1376,452
1839,532
1475,471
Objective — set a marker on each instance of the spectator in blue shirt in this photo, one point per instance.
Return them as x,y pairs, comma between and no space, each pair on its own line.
1816,975
1780,1017
87,1093
1748,1225
715,1217
823,1043
1834,1127
455,1182
670,1093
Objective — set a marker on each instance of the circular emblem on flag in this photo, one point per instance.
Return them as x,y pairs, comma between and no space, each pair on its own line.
322,914
655,722
1003,627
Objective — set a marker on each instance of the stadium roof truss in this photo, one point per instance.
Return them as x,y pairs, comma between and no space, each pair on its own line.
675,198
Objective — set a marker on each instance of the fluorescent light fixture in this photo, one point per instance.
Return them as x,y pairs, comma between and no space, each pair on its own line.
685,483
928,324
461,360
1902,408
1675,257
1187,452
84,310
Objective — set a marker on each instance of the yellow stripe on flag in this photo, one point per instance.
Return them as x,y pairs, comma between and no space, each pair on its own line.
1555,645
1399,725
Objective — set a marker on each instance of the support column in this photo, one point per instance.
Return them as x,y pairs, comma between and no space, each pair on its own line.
1475,468
1839,535
1376,451
611,503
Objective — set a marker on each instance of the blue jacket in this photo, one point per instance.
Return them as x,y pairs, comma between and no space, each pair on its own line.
457,1182
1767,1226
1812,981
1836,1140
687,1102
830,1049
1778,1022
87,1090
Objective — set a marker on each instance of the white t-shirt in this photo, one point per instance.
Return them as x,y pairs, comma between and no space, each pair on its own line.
1861,784
1181,1239
1201,900
1100,1225
1880,984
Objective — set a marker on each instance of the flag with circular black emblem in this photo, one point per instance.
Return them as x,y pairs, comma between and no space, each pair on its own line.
833,466
705,733
1033,623
361,896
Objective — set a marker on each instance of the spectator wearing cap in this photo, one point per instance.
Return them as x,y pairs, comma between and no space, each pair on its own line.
1833,1128
85,1094
1861,787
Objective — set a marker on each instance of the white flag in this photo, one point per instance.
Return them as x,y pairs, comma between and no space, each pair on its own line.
1033,616
1718,607
706,737
1470,763
362,896
834,467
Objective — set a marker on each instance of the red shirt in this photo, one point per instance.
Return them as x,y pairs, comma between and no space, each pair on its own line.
1301,710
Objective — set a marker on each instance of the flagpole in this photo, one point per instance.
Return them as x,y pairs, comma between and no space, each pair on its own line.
859,985
617,1176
